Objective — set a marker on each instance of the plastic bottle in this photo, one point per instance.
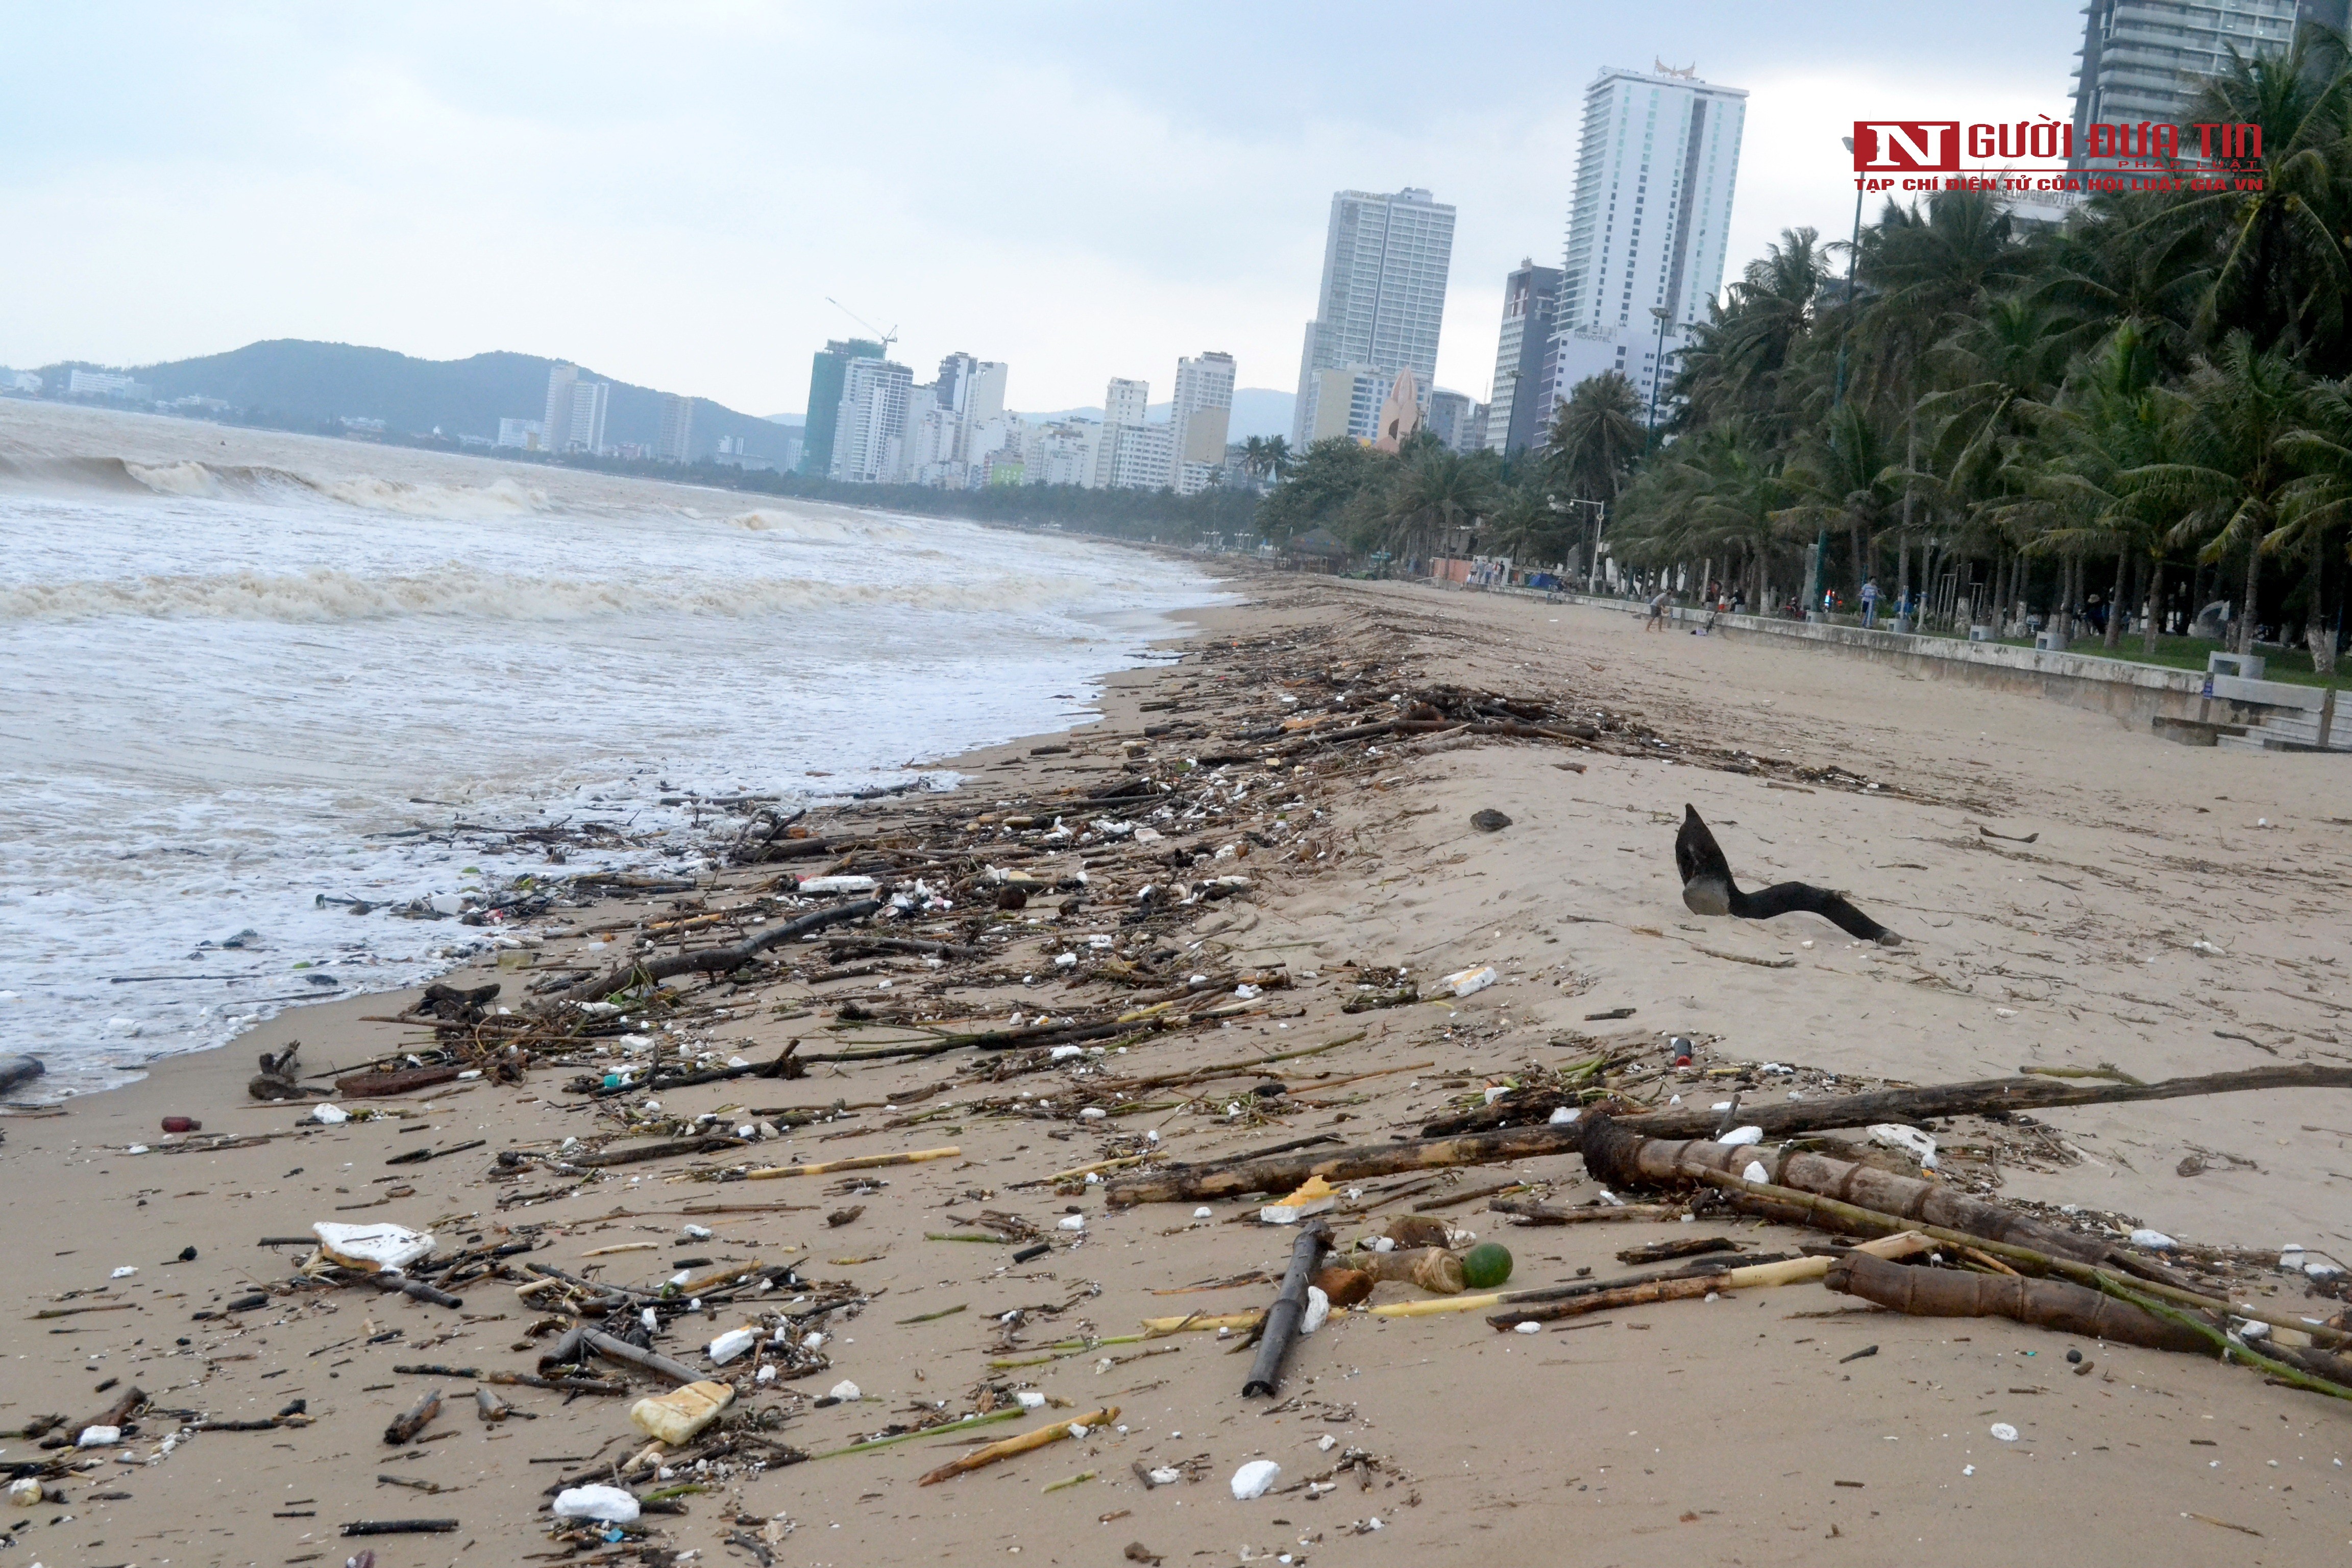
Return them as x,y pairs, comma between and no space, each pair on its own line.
675,1417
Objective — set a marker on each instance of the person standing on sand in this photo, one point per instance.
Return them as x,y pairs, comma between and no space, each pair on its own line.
1657,612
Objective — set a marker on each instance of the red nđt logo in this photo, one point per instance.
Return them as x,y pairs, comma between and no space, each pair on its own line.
1907,146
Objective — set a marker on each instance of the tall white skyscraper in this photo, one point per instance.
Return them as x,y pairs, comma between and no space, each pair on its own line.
1125,402
575,411
1204,404
677,443
1130,455
870,431
1385,260
1654,181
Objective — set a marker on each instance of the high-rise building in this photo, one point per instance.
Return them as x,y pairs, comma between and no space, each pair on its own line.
1347,402
575,411
557,425
828,371
677,443
869,425
1654,173
1063,453
1139,456
1456,421
970,400
1122,462
2146,59
529,435
1126,402
1515,423
1204,405
1383,299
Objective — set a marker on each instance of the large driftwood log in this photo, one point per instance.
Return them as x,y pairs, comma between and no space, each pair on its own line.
1187,1183
714,960
1617,1153
2044,1303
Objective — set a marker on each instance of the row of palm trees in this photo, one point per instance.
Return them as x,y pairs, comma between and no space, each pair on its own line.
2147,404
1427,499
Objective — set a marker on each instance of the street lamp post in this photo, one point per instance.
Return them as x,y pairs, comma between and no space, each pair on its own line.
1657,373
1837,394
1593,547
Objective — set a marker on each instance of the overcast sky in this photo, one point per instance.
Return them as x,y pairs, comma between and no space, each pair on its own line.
668,192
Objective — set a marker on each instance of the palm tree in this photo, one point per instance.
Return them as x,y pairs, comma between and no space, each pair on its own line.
2316,507
2230,418
1437,492
2108,424
1736,502
1278,458
2282,273
1737,362
1596,438
2138,261
1254,456
1527,526
1848,478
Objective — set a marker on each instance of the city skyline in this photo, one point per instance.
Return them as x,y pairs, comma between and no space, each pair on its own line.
325,180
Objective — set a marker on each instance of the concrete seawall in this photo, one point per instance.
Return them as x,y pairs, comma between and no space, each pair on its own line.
2137,693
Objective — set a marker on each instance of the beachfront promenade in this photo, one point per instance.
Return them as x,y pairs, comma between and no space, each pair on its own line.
2189,706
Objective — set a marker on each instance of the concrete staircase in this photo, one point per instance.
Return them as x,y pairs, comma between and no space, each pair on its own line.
2289,730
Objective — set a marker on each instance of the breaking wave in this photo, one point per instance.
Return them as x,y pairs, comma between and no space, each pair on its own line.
326,595
502,497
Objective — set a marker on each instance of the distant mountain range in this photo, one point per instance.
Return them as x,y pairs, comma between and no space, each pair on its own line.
296,384
299,384
1257,411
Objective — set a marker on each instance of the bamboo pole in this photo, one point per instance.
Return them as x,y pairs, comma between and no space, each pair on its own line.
1831,1214
1027,1441
2230,1350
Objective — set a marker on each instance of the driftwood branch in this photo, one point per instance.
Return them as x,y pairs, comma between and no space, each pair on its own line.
1186,1182
410,1424
1527,1211
714,960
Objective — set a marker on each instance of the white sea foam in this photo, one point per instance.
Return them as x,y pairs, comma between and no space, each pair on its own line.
324,594
232,682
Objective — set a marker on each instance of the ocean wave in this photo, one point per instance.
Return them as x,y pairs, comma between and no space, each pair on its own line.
502,497
325,595
839,527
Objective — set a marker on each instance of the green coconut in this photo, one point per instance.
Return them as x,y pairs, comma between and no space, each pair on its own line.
1485,1266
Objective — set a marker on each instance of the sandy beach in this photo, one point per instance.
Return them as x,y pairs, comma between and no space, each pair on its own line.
2054,872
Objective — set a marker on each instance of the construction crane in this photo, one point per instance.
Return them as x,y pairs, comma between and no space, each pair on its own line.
886,338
